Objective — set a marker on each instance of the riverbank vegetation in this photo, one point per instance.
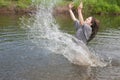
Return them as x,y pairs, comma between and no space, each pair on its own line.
103,6
14,7
98,6
90,6
15,3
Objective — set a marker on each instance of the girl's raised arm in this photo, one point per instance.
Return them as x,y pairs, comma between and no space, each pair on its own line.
71,12
81,20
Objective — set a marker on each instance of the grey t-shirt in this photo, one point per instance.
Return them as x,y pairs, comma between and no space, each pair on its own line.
83,32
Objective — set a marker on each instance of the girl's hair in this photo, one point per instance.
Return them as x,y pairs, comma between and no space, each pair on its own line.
95,27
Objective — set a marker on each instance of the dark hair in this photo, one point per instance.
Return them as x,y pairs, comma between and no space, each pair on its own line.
95,27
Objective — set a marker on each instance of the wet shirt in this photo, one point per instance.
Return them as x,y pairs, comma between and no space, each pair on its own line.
83,32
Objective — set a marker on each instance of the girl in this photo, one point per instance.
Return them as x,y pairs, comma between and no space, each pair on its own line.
85,30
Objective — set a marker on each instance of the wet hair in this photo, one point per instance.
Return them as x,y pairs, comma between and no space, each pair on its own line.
95,27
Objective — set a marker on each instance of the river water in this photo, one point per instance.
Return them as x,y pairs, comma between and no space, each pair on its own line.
25,49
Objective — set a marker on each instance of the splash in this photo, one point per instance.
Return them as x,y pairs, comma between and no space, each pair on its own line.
45,33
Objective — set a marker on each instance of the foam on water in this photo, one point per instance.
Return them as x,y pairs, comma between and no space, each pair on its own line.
45,33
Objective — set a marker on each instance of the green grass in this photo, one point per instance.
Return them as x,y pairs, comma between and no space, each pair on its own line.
15,3
23,3
4,3
90,6
103,6
99,6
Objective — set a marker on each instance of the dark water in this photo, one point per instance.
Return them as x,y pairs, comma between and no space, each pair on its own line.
20,59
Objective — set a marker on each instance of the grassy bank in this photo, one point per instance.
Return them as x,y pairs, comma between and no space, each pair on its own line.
103,6
98,6
14,7
15,3
90,6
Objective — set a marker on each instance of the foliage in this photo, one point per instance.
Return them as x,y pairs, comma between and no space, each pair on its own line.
104,6
90,6
4,3
100,6
17,3
23,3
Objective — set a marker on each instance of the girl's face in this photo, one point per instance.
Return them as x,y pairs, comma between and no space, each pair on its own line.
88,21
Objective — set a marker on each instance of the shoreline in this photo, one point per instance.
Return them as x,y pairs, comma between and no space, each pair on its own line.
64,10
57,10
16,11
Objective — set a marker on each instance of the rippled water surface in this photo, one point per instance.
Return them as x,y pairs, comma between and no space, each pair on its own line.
21,59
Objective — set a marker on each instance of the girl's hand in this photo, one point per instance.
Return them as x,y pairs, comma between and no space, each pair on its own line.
80,6
70,5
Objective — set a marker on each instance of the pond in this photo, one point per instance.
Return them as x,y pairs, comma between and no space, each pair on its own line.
22,59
